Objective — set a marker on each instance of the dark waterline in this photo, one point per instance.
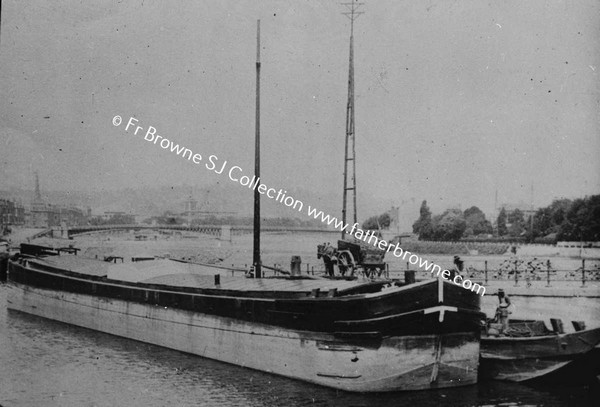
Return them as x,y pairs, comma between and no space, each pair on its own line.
47,363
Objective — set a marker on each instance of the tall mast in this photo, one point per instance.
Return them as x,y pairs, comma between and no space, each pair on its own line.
256,257
350,151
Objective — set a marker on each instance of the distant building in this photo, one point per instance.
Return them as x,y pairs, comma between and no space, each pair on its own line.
112,214
119,218
72,216
191,205
44,215
527,209
11,213
192,212
41,213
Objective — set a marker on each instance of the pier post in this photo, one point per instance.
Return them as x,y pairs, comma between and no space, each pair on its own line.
486,272
557,325
582,272
295,266
548,273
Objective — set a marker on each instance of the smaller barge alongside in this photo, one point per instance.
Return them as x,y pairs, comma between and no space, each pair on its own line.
531,351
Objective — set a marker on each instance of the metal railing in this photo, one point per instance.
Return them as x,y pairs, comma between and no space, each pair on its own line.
520,272
527,272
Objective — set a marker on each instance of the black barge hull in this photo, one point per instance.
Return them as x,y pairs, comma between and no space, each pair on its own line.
369,338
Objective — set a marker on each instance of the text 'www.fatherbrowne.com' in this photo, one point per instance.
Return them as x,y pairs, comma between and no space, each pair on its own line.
236,174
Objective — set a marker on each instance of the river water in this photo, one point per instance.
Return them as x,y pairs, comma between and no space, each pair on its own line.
47,363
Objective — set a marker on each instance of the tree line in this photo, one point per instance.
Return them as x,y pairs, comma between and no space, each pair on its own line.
563,219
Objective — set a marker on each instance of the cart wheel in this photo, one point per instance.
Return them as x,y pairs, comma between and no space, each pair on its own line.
346,263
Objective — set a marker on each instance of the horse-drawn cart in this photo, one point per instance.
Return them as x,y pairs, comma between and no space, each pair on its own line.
351,257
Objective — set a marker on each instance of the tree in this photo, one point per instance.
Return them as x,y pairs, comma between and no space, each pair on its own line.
516,220
542,223
450,225
370,223
501,223
423,226
582,220
477,224
382,221
548,220
558,211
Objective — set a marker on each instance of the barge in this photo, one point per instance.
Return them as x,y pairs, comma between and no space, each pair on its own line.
352,335
530,351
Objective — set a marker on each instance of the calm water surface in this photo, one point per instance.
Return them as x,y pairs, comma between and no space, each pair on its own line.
46,363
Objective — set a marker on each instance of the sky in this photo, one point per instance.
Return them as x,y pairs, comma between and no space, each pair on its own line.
456,101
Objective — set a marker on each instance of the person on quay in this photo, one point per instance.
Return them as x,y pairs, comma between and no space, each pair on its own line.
502,312
457,267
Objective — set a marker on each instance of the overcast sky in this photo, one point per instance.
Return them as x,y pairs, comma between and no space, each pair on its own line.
454,99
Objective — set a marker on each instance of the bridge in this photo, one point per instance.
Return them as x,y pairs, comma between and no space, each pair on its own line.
220,231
